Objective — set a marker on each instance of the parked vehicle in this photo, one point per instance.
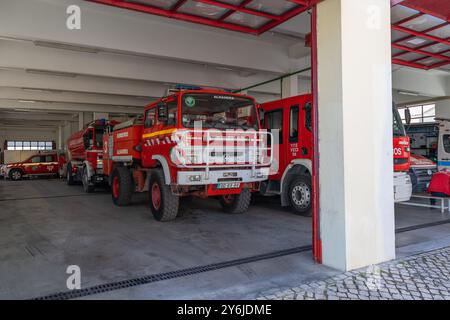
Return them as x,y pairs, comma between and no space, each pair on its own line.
2,170
421,172
40,164
199,143
291,118
84,155
402,152
443,144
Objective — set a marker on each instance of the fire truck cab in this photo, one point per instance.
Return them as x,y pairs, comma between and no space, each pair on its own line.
191,143
290,122
85,153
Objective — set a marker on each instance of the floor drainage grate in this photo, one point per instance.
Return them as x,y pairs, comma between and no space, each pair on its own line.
49,197
169,275
422,226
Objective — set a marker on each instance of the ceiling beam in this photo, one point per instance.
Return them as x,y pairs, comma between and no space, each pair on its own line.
69,107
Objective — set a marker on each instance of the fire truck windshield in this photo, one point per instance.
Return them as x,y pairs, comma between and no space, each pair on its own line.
398,127
218,111
98,138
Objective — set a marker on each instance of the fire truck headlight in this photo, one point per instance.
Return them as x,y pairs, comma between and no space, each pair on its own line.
195,178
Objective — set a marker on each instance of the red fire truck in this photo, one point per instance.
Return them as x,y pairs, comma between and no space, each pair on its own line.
290,120
191,143
84,155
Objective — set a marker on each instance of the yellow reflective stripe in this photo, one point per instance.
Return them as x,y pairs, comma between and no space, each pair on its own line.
158,133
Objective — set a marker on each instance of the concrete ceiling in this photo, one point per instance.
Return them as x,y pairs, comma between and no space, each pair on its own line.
121,60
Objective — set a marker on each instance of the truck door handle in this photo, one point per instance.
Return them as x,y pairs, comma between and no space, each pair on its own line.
304,151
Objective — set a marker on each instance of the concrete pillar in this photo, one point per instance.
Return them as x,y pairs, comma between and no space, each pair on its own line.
289,86
88,117
443,109
67,131
60,138
80,120
355,133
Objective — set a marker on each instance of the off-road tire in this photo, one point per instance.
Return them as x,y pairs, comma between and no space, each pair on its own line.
169,202
300,195
69,177
125,187
87,187
238,204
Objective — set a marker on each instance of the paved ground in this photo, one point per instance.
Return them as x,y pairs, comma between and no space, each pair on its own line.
421,277
46,226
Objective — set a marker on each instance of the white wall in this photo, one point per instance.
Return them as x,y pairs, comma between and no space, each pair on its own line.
443,109
27,134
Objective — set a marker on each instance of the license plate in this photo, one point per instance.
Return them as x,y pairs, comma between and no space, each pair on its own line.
229,185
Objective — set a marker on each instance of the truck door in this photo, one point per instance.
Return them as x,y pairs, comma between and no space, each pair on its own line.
33,165
299,122
444,146
50,164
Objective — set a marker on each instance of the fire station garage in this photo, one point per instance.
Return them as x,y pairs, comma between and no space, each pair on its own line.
229,149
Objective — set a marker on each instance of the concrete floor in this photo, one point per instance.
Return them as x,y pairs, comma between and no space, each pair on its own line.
46,226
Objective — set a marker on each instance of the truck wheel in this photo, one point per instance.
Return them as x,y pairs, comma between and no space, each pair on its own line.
236,203
122,187
87,186
163,203
300,195
15,174
69,176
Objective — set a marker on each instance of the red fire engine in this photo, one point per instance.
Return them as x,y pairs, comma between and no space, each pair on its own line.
191,143
84,155
290,120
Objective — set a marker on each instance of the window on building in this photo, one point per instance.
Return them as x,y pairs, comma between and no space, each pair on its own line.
420,114
29,145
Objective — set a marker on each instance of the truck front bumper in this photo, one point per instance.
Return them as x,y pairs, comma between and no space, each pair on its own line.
215,176
402,187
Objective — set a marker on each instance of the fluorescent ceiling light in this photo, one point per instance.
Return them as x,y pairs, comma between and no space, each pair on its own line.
64,46
41,90
224,68
51,73
27,101
416,41
21,110
408,93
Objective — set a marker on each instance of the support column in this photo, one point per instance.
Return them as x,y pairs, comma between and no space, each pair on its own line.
88,117
355,132
66,131
289,87
443,109
80,120
60,138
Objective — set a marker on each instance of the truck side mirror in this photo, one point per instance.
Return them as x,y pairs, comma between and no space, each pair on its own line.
86,141
163,112
407,116
261,116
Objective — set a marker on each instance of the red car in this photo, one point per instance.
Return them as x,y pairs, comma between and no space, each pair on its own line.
45,164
